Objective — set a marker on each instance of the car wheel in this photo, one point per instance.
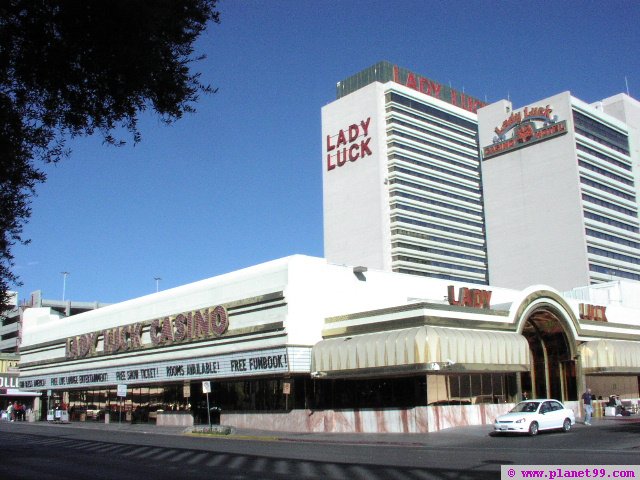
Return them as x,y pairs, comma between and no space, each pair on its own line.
533,428
566,425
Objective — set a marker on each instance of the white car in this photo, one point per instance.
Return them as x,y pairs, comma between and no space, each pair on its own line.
532,416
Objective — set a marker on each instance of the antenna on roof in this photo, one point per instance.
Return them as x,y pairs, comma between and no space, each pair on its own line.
626,82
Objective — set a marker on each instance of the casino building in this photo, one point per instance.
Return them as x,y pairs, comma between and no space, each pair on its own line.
407,325
301,344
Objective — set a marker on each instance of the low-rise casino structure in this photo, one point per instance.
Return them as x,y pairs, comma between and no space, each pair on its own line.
300,344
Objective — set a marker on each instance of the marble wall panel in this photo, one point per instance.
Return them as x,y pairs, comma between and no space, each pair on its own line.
390,420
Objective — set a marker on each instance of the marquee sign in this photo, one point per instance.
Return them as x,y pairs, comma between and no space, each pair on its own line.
183,327
8,380
521,129
281,360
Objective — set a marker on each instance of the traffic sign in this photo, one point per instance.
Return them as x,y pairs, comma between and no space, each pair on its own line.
122,390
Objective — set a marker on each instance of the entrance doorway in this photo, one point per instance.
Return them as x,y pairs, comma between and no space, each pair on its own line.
553,368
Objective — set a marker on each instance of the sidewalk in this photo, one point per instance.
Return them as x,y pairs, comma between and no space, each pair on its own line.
359,438
267,435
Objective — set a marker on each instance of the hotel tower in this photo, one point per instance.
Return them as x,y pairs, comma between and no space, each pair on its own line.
560,180
401,176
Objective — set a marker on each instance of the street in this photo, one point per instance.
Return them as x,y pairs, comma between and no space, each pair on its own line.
43,451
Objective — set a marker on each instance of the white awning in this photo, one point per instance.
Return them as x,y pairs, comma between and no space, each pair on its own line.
610,356
422,348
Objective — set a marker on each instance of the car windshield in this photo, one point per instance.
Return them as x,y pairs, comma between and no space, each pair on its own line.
526,407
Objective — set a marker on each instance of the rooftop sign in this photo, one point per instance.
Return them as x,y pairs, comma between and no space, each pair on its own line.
386,72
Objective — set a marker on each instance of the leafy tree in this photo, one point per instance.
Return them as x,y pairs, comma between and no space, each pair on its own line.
77,67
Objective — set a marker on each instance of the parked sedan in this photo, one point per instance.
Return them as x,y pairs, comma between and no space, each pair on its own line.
532,416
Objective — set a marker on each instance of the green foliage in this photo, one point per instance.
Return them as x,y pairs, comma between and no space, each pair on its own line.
78,67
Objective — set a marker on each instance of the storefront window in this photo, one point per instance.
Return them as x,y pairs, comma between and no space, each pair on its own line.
368,393
471,389
406,392
142,404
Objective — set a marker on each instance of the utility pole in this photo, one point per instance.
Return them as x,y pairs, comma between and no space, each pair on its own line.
64,283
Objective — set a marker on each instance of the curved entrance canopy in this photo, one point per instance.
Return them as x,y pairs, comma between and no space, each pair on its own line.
422,348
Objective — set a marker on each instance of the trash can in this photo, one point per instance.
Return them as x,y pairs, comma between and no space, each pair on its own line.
107,417
215,415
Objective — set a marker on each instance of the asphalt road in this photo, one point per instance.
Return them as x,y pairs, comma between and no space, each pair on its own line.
37,451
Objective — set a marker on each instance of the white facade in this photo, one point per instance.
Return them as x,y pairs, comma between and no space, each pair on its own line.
355,195
287,303
401,178
561,210
279,305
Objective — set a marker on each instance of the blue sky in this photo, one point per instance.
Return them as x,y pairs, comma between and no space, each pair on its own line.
240,181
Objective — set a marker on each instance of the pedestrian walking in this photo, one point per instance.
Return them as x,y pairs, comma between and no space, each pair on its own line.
587,401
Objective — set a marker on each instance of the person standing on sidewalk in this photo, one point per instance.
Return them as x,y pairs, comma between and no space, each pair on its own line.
587,400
